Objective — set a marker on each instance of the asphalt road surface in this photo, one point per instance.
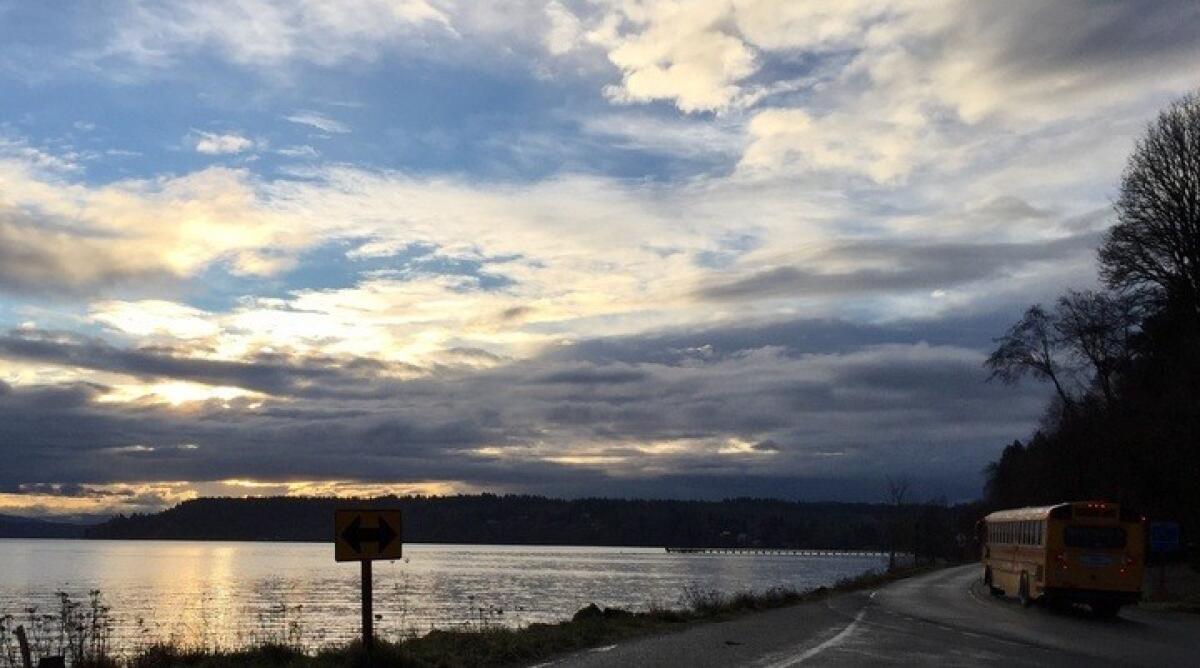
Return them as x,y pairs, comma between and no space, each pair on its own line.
944,618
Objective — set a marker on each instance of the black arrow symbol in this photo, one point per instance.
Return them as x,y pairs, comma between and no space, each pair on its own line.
355,535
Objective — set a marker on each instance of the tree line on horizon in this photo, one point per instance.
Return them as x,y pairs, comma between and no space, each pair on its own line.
930,528
1124,359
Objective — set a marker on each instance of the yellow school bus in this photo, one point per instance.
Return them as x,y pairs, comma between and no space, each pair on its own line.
1083,552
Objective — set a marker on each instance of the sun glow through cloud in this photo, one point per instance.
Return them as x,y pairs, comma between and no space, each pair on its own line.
174,393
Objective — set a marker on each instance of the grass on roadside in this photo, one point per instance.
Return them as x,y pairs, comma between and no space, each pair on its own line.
1181,592
590,627
498,646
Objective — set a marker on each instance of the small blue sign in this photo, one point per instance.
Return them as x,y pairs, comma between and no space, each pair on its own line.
1164,537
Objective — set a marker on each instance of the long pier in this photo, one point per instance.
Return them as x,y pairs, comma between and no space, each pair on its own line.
776,550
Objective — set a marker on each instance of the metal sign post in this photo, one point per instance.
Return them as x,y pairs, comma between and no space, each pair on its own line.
1164,540
368,613
367,535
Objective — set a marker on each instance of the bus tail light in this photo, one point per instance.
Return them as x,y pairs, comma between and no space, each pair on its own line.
1128,562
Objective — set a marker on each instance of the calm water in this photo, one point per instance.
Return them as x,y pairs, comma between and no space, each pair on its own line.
227,594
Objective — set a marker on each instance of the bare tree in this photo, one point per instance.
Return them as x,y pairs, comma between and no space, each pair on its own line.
897,490
1033,346
1097,327
1156,242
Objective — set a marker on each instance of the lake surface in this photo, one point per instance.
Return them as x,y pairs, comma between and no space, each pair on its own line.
223,594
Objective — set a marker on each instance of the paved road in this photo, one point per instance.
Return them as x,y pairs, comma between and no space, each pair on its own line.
943,619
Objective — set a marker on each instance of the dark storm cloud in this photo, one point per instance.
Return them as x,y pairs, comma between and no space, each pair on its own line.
593,376
67,489
1029,40
916,267
800,412
277,374
50,435
793,337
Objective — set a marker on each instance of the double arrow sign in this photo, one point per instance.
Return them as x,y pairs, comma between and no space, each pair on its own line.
366,535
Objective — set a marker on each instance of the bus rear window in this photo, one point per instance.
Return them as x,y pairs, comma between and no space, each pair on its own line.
1094,537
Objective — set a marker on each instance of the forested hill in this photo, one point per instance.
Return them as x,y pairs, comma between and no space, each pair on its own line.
491,519
24,527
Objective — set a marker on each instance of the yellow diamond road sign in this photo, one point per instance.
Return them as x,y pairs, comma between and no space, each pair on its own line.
366,535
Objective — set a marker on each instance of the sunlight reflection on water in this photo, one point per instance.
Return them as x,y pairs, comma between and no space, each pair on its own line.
222,594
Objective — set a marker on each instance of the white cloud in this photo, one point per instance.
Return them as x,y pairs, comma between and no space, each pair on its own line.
808,26
699,55
319,121
300,151
881,148
73,237
20,151
565,29
270,32
891,88
211,143
154,317
686,137
1023,60
677,51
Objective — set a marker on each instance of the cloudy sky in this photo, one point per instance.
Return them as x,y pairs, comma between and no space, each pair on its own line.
670,249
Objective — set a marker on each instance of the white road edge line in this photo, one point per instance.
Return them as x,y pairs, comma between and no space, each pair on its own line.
832,642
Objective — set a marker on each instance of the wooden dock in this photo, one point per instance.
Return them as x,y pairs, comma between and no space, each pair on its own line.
775,551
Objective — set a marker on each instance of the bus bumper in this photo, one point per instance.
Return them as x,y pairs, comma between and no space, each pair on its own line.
1072,595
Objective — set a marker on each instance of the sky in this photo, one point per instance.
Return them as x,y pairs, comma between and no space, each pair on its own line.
601,248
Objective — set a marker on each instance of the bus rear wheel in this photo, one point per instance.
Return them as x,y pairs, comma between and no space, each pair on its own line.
1023,592
992,589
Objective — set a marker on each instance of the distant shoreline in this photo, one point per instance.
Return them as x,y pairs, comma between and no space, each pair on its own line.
523,520
665,549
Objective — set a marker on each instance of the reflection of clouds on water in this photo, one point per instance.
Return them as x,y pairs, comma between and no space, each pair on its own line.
229,594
